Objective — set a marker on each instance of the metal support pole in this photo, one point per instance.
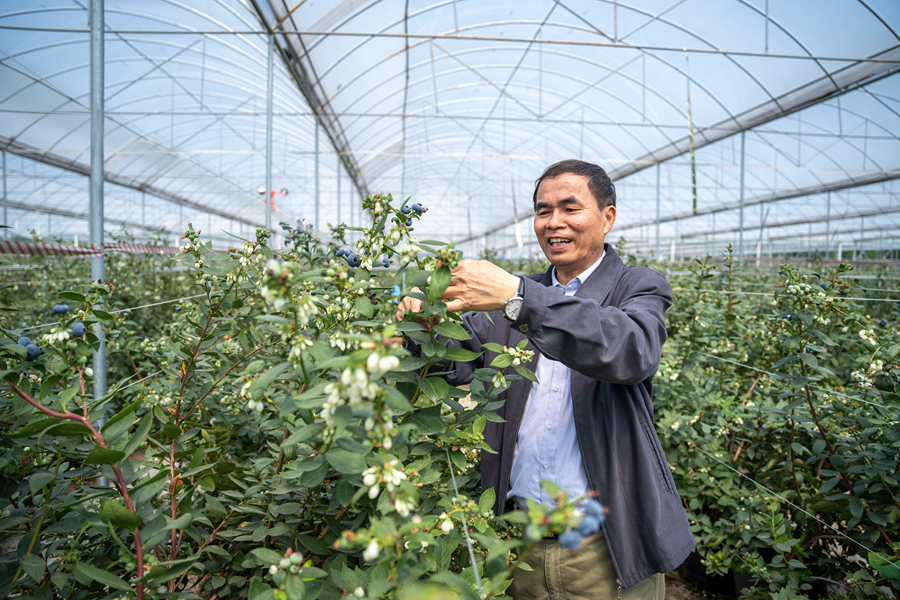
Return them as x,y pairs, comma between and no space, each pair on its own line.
658,169
96,191
316,224
828,226
5,213
339,190
144,211
741,218
269,73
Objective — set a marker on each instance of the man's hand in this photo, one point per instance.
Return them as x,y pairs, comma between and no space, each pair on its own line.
479,285
410,304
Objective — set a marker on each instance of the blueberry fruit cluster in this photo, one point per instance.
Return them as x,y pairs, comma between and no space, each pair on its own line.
32,352
61,308
590,524
351,257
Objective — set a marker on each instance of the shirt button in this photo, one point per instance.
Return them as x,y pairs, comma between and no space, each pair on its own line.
549,425
555,388
546,465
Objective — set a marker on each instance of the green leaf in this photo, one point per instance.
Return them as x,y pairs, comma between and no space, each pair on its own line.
891,571
103,456
809,359
856,507
461,354
486,502
267,556
121,415
73,296
38,480
139,435
315,546
265,380
172,430
440,281
304,433
501,361
496,348
434,387
452,330
65,396
365,307
102,577
295,588
346,463
411,363
34,565
526,373
118,516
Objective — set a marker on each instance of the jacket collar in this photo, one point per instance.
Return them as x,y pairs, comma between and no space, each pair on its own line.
600,282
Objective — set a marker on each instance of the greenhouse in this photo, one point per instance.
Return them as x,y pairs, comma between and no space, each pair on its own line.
262,336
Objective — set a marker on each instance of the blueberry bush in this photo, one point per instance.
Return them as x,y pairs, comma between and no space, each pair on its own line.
269,438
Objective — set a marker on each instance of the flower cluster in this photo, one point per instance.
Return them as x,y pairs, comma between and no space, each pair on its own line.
353,387
389,476
56,335
519,355
154,347
868,336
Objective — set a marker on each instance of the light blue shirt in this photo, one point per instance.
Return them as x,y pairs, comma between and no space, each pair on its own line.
547,447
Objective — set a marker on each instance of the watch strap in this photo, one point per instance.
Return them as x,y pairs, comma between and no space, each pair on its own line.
521,292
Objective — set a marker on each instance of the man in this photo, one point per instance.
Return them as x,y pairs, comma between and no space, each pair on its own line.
587,424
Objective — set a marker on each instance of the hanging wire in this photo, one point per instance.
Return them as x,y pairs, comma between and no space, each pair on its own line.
786,376
783,499
466,530
122,310
771,296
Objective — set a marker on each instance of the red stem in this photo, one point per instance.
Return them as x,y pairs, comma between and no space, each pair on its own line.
122,486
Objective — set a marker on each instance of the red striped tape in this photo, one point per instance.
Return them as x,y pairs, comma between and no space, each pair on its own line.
52,250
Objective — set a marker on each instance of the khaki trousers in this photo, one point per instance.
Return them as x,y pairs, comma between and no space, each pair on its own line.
587,575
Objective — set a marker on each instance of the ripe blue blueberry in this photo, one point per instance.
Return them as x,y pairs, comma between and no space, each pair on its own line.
418,207
340,252
78,329
353,260
595,509
32,352
570,540
588,526
24,341
61,309
822,285
405,210
409,222
882,322
178,309
386,262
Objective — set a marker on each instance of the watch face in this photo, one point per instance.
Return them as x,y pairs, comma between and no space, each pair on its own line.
512,307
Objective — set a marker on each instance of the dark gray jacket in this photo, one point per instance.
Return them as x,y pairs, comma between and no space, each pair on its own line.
610,334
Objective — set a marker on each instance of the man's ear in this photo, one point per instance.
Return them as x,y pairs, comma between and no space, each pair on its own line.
609,213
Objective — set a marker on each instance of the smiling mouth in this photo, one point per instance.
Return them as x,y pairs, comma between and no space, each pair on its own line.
559,242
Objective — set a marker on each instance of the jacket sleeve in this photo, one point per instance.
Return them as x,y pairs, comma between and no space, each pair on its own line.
477,325
617,344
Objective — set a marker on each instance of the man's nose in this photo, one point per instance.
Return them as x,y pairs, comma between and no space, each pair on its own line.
556,220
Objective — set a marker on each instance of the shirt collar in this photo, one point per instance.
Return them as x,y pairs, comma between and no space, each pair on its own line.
581,277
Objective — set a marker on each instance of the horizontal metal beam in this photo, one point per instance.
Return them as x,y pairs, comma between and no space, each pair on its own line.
61,212
837,186
470,38
54,160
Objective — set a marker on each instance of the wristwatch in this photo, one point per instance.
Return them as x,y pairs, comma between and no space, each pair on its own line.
514,305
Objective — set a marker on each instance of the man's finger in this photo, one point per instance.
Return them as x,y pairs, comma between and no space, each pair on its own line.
456,306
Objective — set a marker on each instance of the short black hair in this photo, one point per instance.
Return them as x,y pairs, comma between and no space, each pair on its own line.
599,183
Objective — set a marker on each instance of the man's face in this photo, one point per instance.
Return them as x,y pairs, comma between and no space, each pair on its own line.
569,225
